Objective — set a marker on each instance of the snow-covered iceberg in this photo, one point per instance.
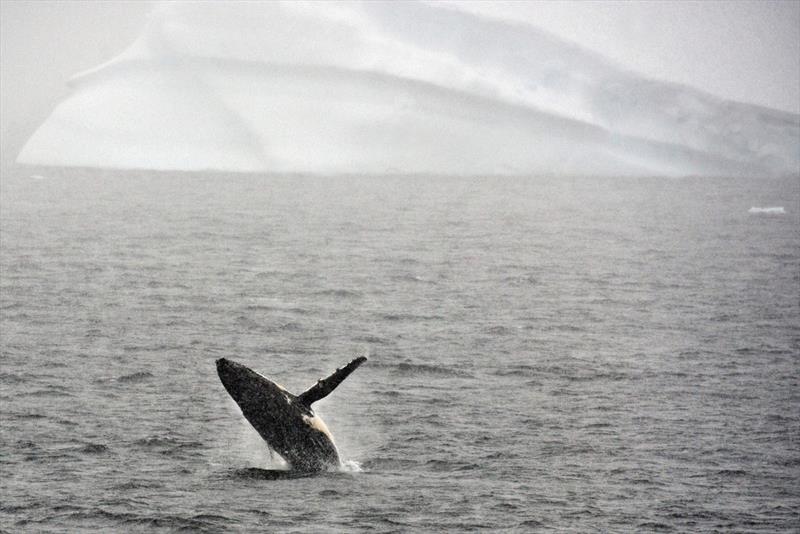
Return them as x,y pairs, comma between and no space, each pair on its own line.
394,87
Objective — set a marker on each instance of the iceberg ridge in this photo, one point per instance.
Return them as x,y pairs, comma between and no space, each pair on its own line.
381,87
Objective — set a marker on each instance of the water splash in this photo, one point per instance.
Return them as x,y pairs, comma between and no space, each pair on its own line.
350,466
253,451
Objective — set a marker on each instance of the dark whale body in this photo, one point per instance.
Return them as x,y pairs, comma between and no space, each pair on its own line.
286,421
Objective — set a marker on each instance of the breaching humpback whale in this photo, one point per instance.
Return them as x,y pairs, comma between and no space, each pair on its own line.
286,421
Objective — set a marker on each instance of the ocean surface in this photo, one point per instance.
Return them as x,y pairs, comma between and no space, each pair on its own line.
555,355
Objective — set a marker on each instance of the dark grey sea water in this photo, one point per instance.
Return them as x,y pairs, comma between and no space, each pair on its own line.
564,355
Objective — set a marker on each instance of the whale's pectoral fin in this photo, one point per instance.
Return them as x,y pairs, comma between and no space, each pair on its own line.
324,386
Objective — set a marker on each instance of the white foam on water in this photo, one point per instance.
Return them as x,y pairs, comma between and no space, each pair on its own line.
350,466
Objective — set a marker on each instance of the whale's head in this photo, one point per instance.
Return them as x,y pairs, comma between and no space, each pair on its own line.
250,389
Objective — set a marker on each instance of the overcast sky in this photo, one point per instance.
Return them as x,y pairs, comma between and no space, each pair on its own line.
741,50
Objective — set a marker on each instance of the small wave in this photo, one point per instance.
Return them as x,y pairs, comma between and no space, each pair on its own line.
167,445
500,455
262,307
93,448
12,378
275,305
172,523
14,508
137,484
270,474
517,370
564,328
135,377
93,333
640,481
410,317
389,464
523,280
412,278
654,526
506,507
498,330
210,517
592,376
732,472
28,416
789,462
776,210
292,348
153,348
18,317
49,391
156,441
66,422
446,465
184,446
289,327
598,425
339,293
375,340
780,418
422,368
269,308
49,457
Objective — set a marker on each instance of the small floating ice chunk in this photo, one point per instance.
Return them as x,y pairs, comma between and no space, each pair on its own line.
777,210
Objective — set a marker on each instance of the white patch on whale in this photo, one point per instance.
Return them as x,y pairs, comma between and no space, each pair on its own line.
317,423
